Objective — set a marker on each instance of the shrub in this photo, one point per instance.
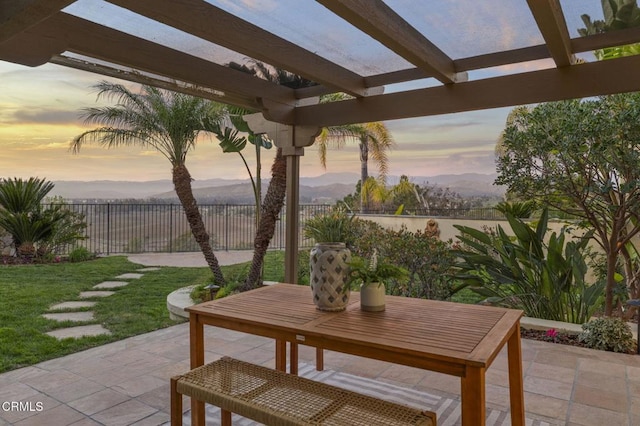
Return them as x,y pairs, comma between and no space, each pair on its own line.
546,280
80,254
608,334
519,209
428,261
35,229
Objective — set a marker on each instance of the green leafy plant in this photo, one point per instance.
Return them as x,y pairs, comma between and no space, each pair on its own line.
80,254
428,261
36,229
608,334
332,227
546,280
520,209
373,271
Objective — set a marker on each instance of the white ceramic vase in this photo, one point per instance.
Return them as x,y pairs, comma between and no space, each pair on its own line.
372,297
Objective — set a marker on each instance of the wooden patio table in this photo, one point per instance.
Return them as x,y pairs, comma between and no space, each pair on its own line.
451,338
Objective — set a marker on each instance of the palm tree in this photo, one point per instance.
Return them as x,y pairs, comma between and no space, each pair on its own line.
274,198
373,140
167,122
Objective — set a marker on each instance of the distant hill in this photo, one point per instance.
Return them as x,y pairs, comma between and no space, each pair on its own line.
324,188
243,193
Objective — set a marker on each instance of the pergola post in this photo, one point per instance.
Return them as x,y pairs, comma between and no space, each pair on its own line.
291,139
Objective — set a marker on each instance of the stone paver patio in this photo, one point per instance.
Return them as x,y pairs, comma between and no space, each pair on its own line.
127,382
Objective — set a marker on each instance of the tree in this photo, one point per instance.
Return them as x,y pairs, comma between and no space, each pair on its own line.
274,198
581,157
374,139
618,15
167,122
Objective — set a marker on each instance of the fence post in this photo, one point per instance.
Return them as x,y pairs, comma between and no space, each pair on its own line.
108,228
171,228
226,227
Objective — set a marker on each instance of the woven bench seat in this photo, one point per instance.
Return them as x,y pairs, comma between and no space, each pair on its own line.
279,399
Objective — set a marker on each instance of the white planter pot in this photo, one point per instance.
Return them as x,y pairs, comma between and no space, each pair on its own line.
329,265
372,297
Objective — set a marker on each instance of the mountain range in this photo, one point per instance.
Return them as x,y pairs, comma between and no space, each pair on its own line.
328,187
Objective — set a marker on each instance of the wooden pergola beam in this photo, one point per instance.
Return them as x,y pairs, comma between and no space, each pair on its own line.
16,16
136,77
213,24
106,44
382,23
550,19
576,81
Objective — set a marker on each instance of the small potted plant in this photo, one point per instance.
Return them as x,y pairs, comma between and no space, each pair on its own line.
329,258
372,274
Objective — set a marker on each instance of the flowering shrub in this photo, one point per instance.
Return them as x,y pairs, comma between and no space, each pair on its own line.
551,335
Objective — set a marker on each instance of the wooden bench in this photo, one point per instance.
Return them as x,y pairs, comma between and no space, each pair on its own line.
276,398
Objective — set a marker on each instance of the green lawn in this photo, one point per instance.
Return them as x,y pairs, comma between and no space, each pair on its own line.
26,292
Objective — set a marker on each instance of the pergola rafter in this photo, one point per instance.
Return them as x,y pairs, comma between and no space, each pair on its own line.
78,34
378,20
550,20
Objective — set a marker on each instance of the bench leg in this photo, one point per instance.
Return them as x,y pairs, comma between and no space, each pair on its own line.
176,404
225,418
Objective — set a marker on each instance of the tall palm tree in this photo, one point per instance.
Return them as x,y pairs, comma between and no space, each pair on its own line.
374,140
167,122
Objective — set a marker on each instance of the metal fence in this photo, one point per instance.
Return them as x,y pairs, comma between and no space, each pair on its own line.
137,228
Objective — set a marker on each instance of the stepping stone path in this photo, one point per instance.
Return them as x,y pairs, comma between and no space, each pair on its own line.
111,284
83,316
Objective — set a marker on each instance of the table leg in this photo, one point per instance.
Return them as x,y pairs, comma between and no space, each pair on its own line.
319,359
281,355
196,338
293,358
473,397
516,388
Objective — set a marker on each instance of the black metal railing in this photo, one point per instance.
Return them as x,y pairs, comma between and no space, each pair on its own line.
137,228
157,227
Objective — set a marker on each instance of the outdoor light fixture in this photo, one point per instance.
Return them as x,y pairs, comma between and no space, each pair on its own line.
636,303
213,289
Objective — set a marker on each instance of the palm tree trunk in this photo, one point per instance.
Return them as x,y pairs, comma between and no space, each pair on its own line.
271,207
364,174
182,185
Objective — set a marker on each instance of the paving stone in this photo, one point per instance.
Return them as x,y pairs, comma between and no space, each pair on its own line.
88,294
130,275
71,305
148,269
111,284
71,316
84,330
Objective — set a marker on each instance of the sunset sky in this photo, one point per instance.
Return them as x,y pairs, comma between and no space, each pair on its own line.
39,115
40,109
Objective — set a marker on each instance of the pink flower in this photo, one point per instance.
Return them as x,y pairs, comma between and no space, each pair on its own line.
552,334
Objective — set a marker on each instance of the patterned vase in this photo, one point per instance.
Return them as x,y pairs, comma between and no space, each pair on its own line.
329,267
